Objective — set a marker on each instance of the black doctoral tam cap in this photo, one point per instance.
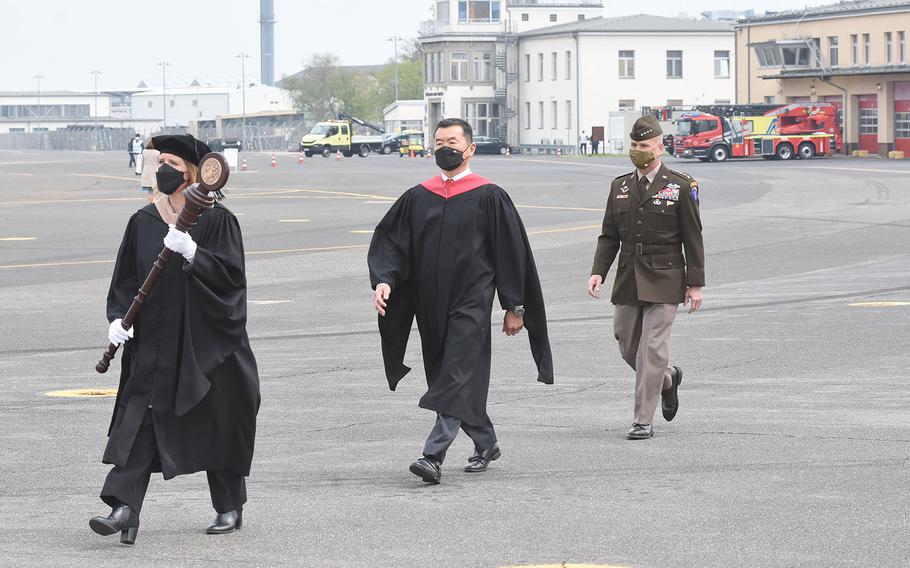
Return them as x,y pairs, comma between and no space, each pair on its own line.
182,145
645,128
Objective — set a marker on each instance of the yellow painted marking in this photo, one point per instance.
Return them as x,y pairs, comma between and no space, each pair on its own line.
134,178
47,264
881,304
293,220
83,393
565,230
17,238
362,232
316,249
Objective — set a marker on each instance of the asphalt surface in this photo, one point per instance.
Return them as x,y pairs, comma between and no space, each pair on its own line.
790,448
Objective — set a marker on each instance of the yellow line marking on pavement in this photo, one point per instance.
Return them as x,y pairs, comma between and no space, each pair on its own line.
134,178
565,230
47,264
882,171
17,238
293,220
881,304
13,174
84,200
362,232
559,163
314,249
83,393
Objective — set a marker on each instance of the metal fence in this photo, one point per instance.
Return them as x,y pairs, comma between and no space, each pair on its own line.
267,138
80,138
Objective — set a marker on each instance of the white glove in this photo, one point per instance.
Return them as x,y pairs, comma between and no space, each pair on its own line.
116,334
180,242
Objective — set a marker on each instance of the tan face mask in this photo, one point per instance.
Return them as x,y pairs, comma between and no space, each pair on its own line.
641,159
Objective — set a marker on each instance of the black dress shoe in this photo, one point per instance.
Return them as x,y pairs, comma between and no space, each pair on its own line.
122,519
640,432
669,401
479,462
427,468
226,522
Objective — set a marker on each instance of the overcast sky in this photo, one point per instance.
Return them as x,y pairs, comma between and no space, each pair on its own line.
64,40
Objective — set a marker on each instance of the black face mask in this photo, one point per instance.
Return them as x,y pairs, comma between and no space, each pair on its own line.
448,158
169,179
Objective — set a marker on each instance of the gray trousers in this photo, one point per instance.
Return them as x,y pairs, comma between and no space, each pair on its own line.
445,431
643,333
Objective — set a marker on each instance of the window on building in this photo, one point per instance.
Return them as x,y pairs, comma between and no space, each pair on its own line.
569,114
427,57
795,55
902,125
540,66
195,102
867,48
524,17
626,64
581,17
833,59
483,117
768,55
442,11
483,67
721,64
553,74
478,11
568,65
626,104
437,73
552,17
769,99
888,46
868,121
901,49
172,103
854,48
555,113
150,104
527,67
459,66
540,112
527,116
674,65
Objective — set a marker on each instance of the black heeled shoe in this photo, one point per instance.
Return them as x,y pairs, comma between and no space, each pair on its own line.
226,522
122,519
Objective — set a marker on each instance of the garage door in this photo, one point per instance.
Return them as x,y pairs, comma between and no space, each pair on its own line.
868,123
902,117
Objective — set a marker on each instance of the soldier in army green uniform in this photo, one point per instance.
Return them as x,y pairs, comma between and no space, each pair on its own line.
651,218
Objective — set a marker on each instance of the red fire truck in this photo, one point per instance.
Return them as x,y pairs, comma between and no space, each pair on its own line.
803,130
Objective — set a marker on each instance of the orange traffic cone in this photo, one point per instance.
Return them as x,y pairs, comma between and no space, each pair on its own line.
274,160
412,152
508,152
243,166
337,155
300,158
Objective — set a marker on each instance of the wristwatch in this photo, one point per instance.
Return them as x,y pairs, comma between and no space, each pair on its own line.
518,310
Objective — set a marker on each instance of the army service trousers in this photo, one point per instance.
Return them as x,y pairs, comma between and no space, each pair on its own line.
643,333
445,430
127,485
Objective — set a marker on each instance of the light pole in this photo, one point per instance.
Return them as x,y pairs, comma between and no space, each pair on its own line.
394,40
39,76
96,72
164,65
242,56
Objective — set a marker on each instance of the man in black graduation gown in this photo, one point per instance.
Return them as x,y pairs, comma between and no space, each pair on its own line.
440,253
189,385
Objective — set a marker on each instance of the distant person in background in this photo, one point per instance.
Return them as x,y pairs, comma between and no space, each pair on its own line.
149,166
583,143
594,144
134,148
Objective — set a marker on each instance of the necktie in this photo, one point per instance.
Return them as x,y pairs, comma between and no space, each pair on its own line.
643,184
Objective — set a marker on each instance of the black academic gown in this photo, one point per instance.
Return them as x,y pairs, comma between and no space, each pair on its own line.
444,254
190,358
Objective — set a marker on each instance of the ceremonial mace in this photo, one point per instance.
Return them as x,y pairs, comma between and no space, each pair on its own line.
213,174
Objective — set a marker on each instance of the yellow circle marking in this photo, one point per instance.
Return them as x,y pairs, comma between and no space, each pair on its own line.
882,304
83,393
362,232
293,220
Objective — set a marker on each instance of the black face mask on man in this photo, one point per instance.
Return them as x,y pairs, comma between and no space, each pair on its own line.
169,179
448,158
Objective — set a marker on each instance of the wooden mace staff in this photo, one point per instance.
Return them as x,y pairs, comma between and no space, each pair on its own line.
213,174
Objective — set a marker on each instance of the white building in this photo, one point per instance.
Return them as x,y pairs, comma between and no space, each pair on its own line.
580,73
469,60
33,111
179,107
404,115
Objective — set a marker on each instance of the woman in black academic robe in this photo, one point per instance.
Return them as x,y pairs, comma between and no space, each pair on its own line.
189,386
